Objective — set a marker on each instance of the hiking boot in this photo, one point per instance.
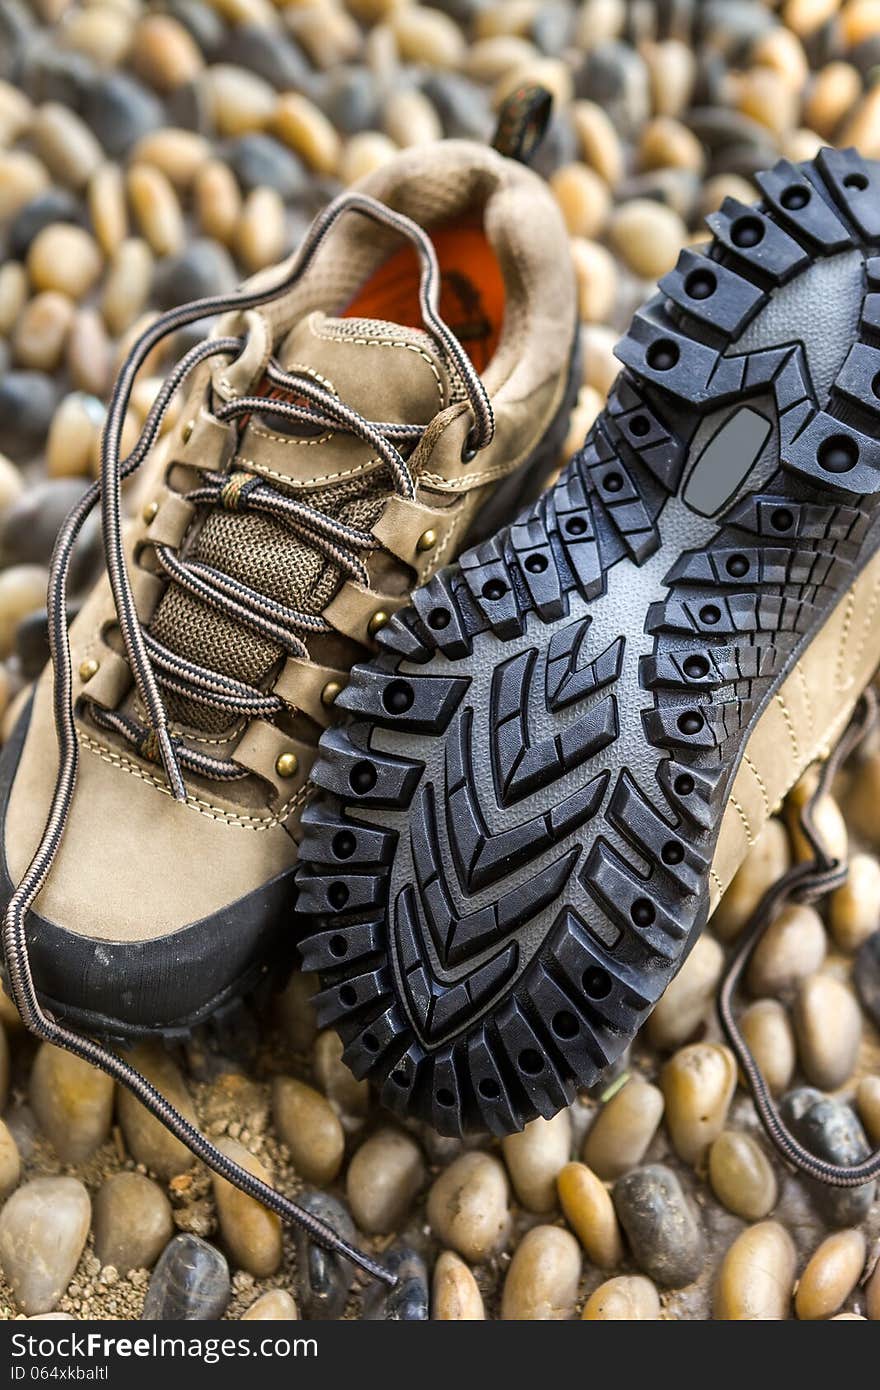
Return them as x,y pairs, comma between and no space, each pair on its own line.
564,750
402,382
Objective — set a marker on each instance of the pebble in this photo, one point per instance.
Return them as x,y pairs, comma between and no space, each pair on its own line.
15,113
10,1162
589,1210
156,209
178,154
55,205
382,1181
324,1277
259,160
616,77
827,819
741,1176
40,334
107,207
455,1294
260,233
345,1093
202,269
250,1232
147,1139
88,354
427,36
103,34
597,281
830,1130
13,293
275,1306
132,1222
310,1128
43,1230
684,1005
407,1301
790,950
583,198
766,1028
461,105
868,1102
599,140
73,1102
27,403
468,1207
628,1298
351,101
22,589
828,1028
832,96
29,527
190,1283
239,101
120,111
65,258
66,145
22,179
665,143
672,68
127,284
757,1275
272,55
11,483
648,236
4,1068
854,908
862,799
535,1157
831,1275
363,154
541,1284
305,128
866,976
623,1129
165,53
665,1240
489,59
410,119
872,1295
698,1084
295,1011
217,201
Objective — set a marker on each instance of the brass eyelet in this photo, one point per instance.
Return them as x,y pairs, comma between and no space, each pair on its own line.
330,693
149,512
377,622
88,668
427,540
287,765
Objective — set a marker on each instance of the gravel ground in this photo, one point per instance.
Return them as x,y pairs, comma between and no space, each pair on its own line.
152,153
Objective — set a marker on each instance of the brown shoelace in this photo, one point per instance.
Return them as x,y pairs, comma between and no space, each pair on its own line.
155,667
802,883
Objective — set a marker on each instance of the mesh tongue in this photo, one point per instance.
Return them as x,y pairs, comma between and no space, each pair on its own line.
383,371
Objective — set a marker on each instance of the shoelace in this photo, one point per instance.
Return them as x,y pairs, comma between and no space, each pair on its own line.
803,883
153,665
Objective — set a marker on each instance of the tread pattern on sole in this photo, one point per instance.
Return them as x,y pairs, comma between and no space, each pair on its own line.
500,897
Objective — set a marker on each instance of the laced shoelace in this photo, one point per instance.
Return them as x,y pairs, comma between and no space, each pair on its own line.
804,882
155,667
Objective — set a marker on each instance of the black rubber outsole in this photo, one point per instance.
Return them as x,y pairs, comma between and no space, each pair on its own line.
511,857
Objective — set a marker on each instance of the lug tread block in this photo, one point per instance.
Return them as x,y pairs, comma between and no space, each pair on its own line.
490,1085
694,793
567,676
357,992
640,428
349,769
493,594
422,704
366,1047
858,375
647,831
442,618
853,183
727,308
404,637
527,1058
572,1035
668,359
629,901
773,254
796,201
827,442
348,942
325,835
401,1083
319,894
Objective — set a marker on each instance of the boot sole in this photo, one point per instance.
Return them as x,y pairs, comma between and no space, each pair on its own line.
564,749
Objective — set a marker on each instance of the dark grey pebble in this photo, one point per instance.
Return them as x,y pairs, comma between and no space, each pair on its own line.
462,106
553,26
32,640
5,356
616,77
831,1130
719,129
678,189
49,73
732,26
866,974
29,526
663,1235
204,24
27,404
710,80
462,11
120,110
189,1283
55,205
258,160
559,146
675,18
16,25
189,107
351,99
408,1300
203,268
324,1277
273,56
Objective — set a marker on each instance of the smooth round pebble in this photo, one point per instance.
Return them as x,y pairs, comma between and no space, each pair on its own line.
663,1235
854,907
190,1283
156,209
589,1210
623,1129
310,1128
648,236
43,1230
767,1031
66,145
583,198
10,1162
828,1027
41,332
542,1280
88,352
147,1139
127,285
597,280
468,1207
260,231
250,1232
382,1181
765,862
178,154
239,101
792,948
741,1176
455,1295
756,1278
349,1096
75,426
628,1298
73,1102
22,591
832,1273
305,128
535,1156
165,53
275,1306
217,200
13,293
65,258
132,1222
686,1001
868,1102
698,1084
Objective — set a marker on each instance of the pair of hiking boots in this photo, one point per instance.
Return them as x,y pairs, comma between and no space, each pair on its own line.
502,832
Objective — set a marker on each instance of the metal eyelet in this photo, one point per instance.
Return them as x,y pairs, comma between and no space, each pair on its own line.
469,449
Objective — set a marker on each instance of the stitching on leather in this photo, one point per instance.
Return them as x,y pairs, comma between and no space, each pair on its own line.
786,714
847,620
386,343
866,624
805,690
717,881
204,808
305,482
760,781
745,820
448,484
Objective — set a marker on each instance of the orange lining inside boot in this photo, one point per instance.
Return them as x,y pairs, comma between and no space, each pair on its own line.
472,291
